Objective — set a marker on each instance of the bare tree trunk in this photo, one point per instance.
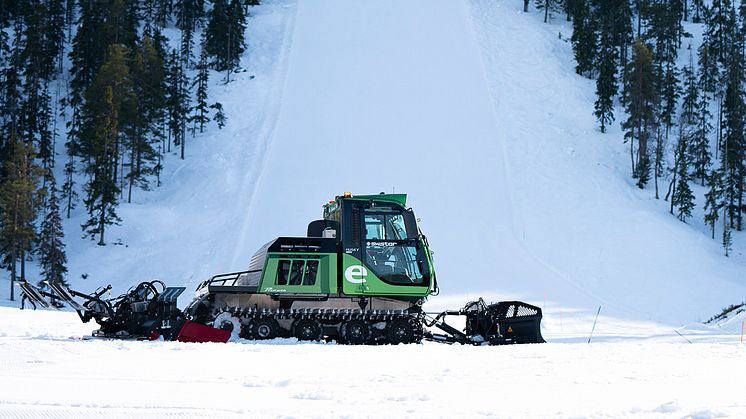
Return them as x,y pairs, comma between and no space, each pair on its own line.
12,275
23,265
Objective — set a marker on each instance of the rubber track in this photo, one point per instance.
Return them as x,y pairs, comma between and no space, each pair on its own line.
333,316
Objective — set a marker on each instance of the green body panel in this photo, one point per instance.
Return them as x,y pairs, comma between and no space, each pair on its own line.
359,280
325,279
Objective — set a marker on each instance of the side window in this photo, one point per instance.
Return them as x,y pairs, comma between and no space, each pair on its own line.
385,227
374,227
297,272
312,267
283,269
395,229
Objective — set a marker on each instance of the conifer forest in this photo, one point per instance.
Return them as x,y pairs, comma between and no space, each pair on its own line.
93,98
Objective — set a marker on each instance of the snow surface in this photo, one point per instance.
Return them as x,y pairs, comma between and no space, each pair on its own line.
473,109
48,374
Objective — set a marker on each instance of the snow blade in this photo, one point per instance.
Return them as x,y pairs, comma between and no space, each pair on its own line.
197,332
502,323
518,321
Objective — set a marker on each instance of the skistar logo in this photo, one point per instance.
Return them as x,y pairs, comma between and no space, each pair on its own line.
356,274
380,244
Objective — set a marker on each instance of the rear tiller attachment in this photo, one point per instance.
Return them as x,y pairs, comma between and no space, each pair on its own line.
501,323
147,311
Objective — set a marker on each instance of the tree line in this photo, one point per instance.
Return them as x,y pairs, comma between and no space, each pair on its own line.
91,91
683,125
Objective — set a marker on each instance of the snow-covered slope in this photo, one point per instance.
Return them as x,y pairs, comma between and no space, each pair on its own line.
470,107
575,209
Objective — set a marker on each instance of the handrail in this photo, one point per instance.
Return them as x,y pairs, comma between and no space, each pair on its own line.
222,279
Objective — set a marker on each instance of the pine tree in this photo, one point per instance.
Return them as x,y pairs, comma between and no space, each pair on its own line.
548,6
69,17
216,35
698,7
45,139
187,42
734,114
660,155
670,91
200,109
88,50
717,27
682,198
150,91
620,15
109,101
4,45
236,30
639,98
219,117
188,13
606,85
713,199
11,98
224,35
19,201
54,34
177,101
727,239
44,36
583,37
51,248
69,194
709,72
700,147
688,122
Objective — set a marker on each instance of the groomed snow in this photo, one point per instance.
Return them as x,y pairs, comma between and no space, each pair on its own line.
470,107
48,374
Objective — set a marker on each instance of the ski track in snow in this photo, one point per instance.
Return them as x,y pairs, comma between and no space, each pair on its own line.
265,139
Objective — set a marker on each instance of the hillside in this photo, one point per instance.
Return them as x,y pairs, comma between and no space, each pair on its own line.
477,115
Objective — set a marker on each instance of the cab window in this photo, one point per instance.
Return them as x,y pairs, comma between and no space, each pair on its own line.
297,272
385,227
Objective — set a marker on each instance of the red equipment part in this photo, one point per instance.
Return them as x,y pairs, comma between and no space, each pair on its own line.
196,332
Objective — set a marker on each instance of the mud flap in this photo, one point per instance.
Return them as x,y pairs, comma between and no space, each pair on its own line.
197,332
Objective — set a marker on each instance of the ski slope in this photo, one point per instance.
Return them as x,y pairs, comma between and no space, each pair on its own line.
472,108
